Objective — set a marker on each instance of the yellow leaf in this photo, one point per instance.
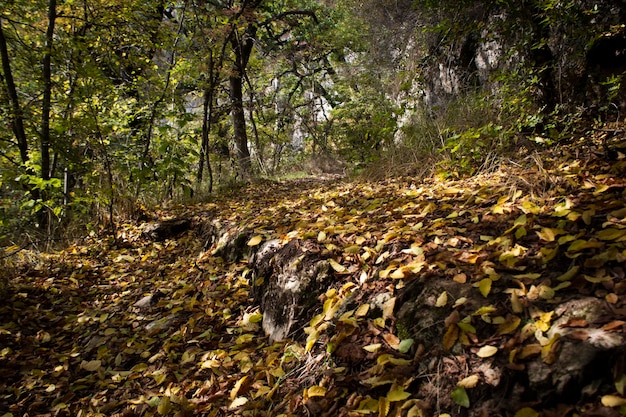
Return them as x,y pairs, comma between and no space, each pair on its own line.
397,274
516,304
613,401
611,234
159,378
569,274
601,189
238,402
451,336
316,391
374,347
460,301
442,300
487,351
383,407
362,310
237,387
91,366
165,405
388,308
255,317
336,266
379,322
469,382
255,240
415,411
352,249
547,234
526,412
321,236
527,276
546,292
510,325
484,286
397,394
484,310
530,208
311,339
580,244
367,405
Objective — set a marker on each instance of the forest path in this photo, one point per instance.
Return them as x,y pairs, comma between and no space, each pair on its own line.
446,296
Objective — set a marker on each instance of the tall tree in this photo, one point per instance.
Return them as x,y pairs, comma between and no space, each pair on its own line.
17,121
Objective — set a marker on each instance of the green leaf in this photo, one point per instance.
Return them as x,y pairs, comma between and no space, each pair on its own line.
459,396
405,345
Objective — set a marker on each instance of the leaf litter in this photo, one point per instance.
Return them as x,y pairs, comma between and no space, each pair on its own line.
136,327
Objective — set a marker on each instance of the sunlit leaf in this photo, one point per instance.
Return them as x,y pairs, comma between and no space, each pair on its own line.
485,286
392,340
316,391
374,347
368,405
487,351
613,401
238,402
362,310
235,391
397,394
547,234
405,345
388,308
383,407
336,266
442,300
255,240
468,382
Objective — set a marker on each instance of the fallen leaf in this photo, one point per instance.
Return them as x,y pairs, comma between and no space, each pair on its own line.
255,240
468,382
487,351
459,396
316,391
613,401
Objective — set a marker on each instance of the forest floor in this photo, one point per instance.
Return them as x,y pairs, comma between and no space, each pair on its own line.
136,327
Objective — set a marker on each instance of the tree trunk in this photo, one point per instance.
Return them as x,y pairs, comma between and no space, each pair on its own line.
47,93
239,126
207,114
207,118
242,48
17,122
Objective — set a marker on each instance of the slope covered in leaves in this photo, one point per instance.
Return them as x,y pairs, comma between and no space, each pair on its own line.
136,327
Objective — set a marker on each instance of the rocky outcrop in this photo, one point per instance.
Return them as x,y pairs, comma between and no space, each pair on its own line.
287,282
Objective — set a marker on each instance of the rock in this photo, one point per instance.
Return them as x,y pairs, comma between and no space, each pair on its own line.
586,352
287,281
166,229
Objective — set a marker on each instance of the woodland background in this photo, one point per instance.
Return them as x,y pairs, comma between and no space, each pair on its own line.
110,106
312,208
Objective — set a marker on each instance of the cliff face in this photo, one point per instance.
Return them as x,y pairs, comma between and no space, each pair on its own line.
570,54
